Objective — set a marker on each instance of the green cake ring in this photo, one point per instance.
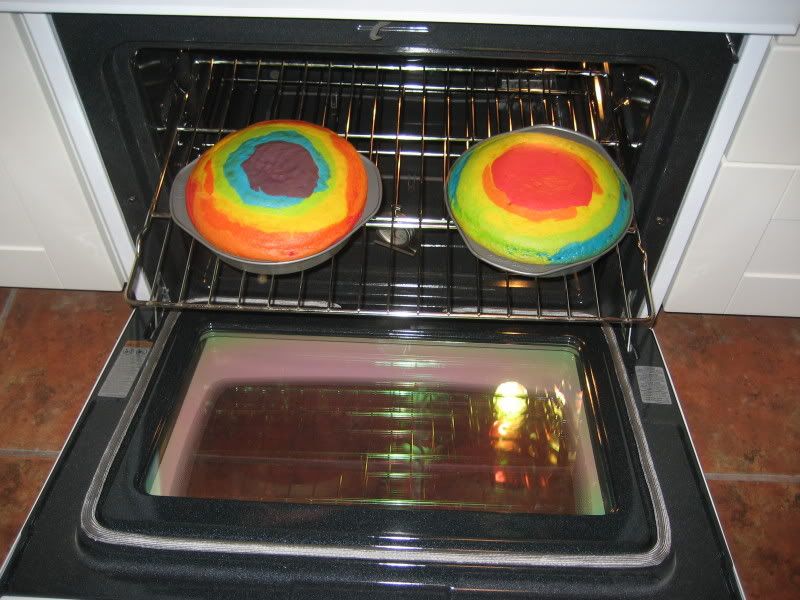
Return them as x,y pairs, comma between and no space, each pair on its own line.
605,221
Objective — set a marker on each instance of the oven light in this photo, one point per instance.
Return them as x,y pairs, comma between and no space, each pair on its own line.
510,400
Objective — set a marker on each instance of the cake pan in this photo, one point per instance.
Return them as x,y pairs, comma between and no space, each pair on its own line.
521,268
177,205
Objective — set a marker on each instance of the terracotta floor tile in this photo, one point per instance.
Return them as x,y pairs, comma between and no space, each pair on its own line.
762,525
53,346
739,380
20,480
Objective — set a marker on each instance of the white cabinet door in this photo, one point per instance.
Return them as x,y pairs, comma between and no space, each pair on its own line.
744,254
49,235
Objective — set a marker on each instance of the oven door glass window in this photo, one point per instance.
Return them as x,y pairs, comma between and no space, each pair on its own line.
388,423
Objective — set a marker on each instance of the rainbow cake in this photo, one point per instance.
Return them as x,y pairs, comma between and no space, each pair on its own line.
277,191
540,196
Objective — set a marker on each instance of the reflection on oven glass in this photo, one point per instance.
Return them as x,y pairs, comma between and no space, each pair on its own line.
404,425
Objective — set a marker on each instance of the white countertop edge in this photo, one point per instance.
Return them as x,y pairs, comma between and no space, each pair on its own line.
735,16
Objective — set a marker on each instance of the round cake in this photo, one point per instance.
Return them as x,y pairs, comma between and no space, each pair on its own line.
277,191
539,197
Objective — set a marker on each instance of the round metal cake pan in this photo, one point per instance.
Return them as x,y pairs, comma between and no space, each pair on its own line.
177,205
532,270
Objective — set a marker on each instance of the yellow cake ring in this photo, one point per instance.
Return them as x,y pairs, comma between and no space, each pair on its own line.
540,196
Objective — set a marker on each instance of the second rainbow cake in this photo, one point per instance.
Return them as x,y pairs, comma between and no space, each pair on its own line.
277,191
539,196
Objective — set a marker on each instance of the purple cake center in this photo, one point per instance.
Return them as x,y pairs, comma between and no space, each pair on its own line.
282,169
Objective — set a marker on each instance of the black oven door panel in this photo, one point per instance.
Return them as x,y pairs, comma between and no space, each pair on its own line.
454,523
692,562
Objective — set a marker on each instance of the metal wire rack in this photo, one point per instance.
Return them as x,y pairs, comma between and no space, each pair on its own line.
413,119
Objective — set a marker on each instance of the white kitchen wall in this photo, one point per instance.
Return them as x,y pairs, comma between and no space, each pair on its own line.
744,254
49,235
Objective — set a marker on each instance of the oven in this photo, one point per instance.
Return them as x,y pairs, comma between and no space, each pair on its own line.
403,420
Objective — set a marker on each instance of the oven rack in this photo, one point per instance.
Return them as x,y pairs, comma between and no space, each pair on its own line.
413,120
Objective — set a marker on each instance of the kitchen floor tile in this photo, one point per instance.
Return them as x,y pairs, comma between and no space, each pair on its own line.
761,521
20,480
738,379
53,345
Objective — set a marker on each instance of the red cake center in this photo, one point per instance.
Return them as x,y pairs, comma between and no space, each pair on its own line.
542,178
282,169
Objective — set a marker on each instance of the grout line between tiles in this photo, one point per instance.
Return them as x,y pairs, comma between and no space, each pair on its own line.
7,309
762,477
26,453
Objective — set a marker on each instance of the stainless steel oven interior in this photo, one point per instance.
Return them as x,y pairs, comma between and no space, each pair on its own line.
413,118
411,102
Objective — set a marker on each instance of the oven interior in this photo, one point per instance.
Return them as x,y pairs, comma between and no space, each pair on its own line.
411,116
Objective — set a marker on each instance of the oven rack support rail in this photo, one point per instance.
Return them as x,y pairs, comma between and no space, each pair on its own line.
413,120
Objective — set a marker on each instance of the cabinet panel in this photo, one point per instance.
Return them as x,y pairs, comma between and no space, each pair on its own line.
744,253
778,252
789,208
16,227
736,213
50,227
769,129
767,295
793,40
26,266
